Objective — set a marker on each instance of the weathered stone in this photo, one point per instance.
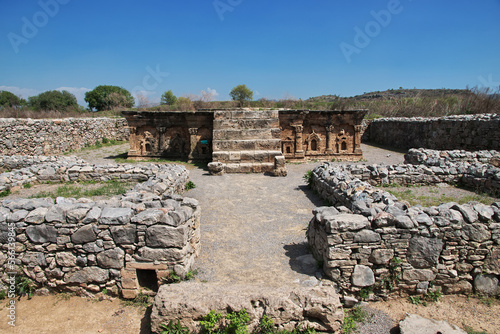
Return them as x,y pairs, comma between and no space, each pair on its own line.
92,247
111,258
338,253
424,252
366,236
76,215
36,216
462,287
150,217
484,212
32,259
116,216
404,222
486,285
17,216
162,254
346,222
362,276
88,275
42,233
383,219
166,236
56,213
477,232
65,259
123,235
84,234
92,216
492,263
467,212
418,275
415,324
381,256
316,307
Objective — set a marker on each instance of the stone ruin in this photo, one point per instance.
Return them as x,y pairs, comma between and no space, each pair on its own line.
369,240
130,241
242,141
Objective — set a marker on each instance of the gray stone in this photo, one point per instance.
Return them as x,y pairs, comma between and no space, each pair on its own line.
32,259
84,234
467,212
42,233
346,222
424,252
65,259
477,232
366,236
92,216
111,258
492,263
486,285
116,216
418,275
56,213
381,256
36,216
415,324
76,215
88,275
150,217
317,307
424,219
123,235
17,216
162,254
383,219
362,276
92,247
484,212
404,222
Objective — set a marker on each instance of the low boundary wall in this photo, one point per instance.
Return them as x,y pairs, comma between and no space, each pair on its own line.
54,136
84,246
372,244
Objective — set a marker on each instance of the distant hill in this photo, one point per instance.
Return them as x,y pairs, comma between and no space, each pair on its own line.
394,94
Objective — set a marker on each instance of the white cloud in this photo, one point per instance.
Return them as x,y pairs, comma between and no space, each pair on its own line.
79,92
22,92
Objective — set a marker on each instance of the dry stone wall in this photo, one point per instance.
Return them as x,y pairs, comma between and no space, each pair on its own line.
85,246
368,240
466,132
53,136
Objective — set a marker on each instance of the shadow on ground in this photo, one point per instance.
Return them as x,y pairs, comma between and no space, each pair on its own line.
300,259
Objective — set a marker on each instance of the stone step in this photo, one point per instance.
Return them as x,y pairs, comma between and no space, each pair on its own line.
243,123
228,114
243,134
247,145
249,167
245,156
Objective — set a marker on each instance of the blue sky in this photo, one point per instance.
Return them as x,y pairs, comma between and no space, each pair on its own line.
277,48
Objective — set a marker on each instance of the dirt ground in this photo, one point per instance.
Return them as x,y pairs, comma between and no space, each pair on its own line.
245,238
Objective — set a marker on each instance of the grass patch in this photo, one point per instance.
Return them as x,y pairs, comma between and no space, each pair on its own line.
142,301
352,318
109,188
5,193
470,330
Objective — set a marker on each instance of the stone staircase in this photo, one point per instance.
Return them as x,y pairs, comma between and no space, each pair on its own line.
247,142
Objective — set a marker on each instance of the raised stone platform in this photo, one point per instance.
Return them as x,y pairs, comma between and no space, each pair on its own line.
247,142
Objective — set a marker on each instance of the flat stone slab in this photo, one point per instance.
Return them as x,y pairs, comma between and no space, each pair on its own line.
415,324
288,307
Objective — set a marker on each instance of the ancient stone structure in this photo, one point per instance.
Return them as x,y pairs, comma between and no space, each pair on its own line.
370,240
54,136
241,141
288,307
466,132
84,246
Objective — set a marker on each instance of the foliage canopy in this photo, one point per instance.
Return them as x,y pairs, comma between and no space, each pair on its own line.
241,93
168,98
8,99
53,100
106,97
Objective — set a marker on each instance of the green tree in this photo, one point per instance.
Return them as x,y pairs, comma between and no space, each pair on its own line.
168,98
8,99
106,97
53,100
241,93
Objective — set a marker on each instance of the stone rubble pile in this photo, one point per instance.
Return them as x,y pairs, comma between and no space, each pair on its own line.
369,240
53,136
84,246
11,162
422,156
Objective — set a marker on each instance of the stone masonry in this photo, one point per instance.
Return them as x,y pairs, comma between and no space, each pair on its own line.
54,136
370,240
84,246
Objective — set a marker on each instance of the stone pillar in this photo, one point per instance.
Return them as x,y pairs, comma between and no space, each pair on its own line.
357,139
299,150
329,139
193,141
161,132
133,141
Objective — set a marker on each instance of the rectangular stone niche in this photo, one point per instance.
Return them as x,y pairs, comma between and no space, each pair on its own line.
137,276
147,278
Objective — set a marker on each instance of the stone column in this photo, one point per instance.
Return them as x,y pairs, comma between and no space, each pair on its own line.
329,139
299,150
161,132
133,141
193,141
357,139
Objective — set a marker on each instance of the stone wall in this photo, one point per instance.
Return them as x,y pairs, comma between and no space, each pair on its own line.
369,240
467,132
53,136
85,246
